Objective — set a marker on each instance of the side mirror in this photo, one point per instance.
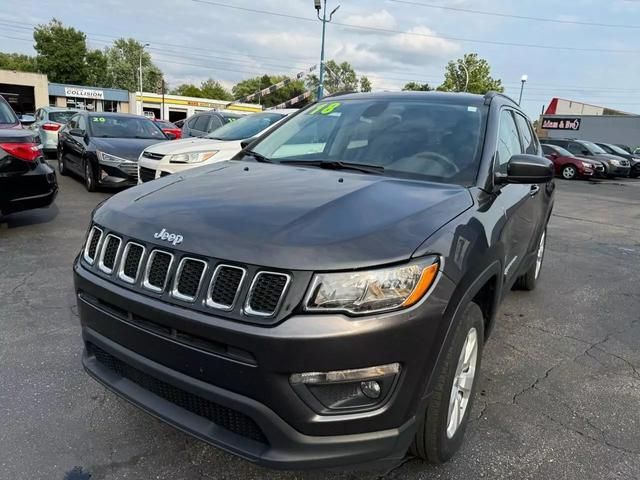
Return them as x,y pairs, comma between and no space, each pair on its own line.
247,141
27,119
170,135
527,169
76,132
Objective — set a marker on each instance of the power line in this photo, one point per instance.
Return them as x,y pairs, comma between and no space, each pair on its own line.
519,17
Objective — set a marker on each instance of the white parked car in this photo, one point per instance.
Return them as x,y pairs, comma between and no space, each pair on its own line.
222,144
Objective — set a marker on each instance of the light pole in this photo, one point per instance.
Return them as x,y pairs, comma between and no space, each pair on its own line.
323,19
140,76
523,80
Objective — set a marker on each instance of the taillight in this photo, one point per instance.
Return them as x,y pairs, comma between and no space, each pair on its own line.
52,127
28,152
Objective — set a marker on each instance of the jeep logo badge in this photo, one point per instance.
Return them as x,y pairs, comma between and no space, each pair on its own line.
172,238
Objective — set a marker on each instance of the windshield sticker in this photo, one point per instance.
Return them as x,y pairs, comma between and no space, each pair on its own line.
472,109
99,119
324,108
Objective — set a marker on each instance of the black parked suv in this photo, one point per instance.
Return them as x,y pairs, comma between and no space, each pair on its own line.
614,166
323,299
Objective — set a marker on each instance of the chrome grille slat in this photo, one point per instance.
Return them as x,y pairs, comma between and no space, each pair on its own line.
188,271
159,265
109,253
132,257
91,246
225,287
266,293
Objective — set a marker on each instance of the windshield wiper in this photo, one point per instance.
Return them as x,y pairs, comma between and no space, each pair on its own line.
337,165
257,156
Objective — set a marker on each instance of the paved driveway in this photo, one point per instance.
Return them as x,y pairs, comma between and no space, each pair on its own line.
560,383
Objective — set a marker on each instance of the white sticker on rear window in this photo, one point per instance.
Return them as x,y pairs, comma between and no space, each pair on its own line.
472,109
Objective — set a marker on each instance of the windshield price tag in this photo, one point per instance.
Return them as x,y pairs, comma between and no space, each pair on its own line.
99,119
324,108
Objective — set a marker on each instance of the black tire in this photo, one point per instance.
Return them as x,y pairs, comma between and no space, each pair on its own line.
569,172
89,177
431,442
529,280
62,168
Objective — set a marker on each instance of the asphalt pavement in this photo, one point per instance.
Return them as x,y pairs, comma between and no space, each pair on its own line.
559,394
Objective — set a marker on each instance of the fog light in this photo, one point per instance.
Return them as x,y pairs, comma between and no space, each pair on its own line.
371,389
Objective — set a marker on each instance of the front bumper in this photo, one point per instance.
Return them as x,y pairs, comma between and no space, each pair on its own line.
123,175
151,169
291,435
618,171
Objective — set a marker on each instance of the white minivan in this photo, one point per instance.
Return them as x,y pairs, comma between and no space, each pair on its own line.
222,144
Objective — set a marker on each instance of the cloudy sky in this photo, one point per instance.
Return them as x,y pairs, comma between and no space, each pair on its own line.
398,40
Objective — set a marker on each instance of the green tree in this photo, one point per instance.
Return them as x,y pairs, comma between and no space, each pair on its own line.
187,90
123,63
479,71
365,84
417,87
61,52
97,68
255,84
18,62
212,89
337,78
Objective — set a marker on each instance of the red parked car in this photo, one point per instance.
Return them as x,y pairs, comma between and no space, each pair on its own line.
168,127
569,166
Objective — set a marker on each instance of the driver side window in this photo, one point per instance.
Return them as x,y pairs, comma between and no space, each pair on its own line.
508,141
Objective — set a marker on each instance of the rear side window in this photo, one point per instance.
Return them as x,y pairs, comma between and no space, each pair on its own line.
528,138
215,123
6,113
191,123
508,140
201,123
547,150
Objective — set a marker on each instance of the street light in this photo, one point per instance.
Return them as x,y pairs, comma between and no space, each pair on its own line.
140,76
523,79
318,6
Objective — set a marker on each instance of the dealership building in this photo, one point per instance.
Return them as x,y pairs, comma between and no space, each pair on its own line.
570,119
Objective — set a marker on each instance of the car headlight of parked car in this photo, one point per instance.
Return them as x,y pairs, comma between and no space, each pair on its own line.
371,291
587,165
108,159
194,157
615,162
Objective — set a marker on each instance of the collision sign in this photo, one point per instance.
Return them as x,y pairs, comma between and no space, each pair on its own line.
84,93
561,123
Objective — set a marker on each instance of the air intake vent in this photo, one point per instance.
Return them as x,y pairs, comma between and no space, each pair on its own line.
147,174
225,287
157,271
131,261
266,293
188,279
91,247
109,253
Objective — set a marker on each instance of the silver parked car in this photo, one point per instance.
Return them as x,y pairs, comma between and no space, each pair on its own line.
49,121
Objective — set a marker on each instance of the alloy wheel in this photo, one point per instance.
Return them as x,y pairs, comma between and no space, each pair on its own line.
462,383
569,172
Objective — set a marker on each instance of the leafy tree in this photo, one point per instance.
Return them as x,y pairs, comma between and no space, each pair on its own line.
212,89
480,80
365,84
18,62
417,87
61,52
337,78
123,60
96,69
187,90
255,84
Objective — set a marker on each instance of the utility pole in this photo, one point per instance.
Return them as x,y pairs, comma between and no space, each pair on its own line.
140,77
323,19
523,80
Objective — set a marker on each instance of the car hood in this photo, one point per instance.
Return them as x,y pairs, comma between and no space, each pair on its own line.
584,158
285,216
129,148
189,145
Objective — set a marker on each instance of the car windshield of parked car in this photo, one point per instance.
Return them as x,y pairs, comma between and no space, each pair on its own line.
593,147
6,114
110,126
409,138
617,150
246,127
61,117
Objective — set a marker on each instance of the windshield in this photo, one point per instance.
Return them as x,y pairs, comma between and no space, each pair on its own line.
409,139
61,117
246,127
6,113
593,147
110,126
617,149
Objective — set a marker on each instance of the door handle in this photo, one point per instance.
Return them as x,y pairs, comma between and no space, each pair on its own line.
534,190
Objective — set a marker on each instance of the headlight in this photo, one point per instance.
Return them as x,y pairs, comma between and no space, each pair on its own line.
587,165
372,290
108,159
195,157
615,162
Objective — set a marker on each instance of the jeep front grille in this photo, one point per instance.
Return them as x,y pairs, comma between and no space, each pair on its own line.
188,279
109,253
91,247
157,271
131,262
225,287
266,293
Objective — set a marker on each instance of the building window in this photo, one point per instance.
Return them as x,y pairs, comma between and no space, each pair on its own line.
81,103
110,106
52,100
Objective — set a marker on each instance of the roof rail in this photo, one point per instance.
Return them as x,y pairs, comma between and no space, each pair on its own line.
492,93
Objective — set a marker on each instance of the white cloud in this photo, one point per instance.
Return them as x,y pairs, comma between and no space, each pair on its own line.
380,19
